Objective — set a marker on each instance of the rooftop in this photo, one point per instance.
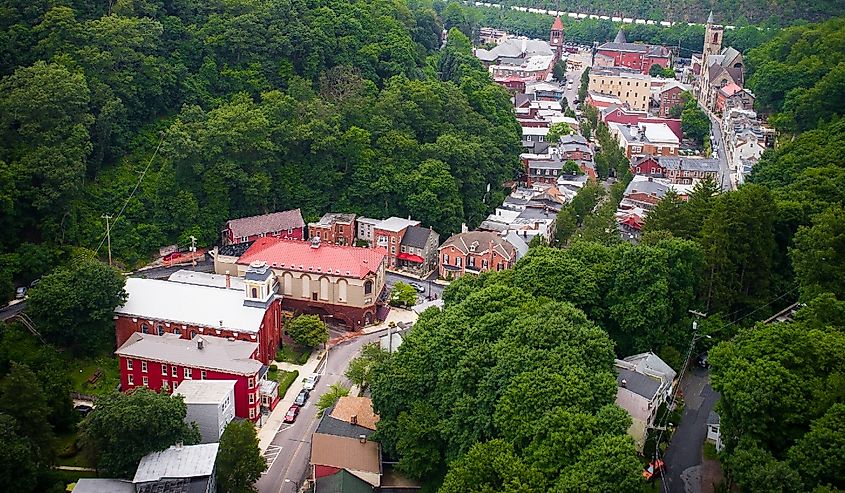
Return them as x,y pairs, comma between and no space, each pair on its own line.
651,50
330,218
416,236
651,362
357,409
342,481
345,261
267,223
192,304
103,485
513,48
205,391
234,250
396,224
689,163
332,426
188,461
217,353
480,241
657,133
638,383
206,279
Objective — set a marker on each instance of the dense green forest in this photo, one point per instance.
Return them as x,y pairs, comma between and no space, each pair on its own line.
221,110
732,12
689,39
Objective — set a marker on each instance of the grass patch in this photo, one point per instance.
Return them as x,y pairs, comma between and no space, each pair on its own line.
286,379
69,451
710,451
293,354
81,370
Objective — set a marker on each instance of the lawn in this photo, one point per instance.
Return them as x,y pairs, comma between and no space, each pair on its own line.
285,379
64,451
82,369
293,354
710,451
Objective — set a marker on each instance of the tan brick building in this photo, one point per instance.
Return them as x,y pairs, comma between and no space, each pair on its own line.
632,88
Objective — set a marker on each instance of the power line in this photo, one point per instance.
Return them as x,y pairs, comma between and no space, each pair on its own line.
138,184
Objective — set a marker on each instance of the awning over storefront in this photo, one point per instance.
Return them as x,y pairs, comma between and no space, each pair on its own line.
410,257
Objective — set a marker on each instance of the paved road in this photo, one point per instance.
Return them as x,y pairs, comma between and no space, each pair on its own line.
164,272
685,448
431,288
575,76
289,455
10,311
725,169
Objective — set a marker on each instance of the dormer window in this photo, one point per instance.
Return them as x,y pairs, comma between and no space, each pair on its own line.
473,246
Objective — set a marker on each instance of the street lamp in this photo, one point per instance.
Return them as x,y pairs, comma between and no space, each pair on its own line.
295,484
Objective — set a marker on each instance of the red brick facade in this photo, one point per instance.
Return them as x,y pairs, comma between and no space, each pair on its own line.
334,234
267,335
353,317
158,374
668,99
635,60
648,166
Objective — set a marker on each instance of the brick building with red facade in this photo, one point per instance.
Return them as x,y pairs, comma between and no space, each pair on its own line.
475,252
251,313
285,224
161,363
334,228
634,55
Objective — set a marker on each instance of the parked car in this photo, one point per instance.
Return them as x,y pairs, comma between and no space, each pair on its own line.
419,287
292,413
311,381
654,469
20,293
301,398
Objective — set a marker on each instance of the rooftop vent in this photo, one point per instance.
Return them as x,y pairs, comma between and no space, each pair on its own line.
200,343
362,438
315,242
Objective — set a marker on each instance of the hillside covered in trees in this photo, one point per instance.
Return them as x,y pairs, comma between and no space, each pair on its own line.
231,109
736,12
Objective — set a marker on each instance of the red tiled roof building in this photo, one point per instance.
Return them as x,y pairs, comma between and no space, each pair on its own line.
340,283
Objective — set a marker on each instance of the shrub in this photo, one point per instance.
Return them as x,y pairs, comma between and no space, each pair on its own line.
286,378
273,367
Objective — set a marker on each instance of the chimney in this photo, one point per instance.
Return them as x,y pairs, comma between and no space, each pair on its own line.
228,280
464,228
623,383
362,438
200,343
178,446
354,419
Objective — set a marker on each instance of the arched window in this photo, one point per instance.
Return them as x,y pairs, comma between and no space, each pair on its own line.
368,287
254,293
324,288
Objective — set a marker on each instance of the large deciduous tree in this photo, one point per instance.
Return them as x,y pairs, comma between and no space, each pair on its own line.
239,460
307,330
73,306
818,255
126,427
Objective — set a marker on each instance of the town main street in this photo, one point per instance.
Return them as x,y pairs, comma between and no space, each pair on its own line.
719,142
289,454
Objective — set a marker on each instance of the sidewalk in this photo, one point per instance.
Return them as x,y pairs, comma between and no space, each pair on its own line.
396,315
267,433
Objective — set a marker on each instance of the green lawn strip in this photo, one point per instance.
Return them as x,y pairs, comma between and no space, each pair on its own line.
293,354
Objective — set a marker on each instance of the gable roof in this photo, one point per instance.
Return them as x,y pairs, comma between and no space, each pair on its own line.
190,304
643,385
187,461
337,260
103,485
620,37
358,409
217,353
651,362
705,165
342,481
462,242
416,236
266,223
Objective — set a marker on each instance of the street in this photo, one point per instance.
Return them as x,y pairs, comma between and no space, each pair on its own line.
684,455
288,456
571,94
432,289
724,167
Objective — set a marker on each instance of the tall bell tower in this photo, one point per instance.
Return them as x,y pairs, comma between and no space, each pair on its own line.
556,36
712,39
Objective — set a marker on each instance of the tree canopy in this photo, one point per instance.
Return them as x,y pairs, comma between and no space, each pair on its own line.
126,427
239,460
307,330
480,390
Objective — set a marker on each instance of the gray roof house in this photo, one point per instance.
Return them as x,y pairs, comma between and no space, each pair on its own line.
181,468
644,383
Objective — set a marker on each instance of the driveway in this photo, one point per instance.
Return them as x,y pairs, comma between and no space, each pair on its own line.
684,458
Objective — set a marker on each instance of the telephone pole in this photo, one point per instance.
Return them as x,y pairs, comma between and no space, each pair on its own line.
194,251
108,233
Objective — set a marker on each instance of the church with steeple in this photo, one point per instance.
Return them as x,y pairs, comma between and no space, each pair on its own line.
719,67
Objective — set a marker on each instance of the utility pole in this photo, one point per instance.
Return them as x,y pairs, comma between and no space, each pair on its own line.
194,251
108,233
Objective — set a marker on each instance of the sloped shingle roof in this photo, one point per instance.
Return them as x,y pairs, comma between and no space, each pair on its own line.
266,223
